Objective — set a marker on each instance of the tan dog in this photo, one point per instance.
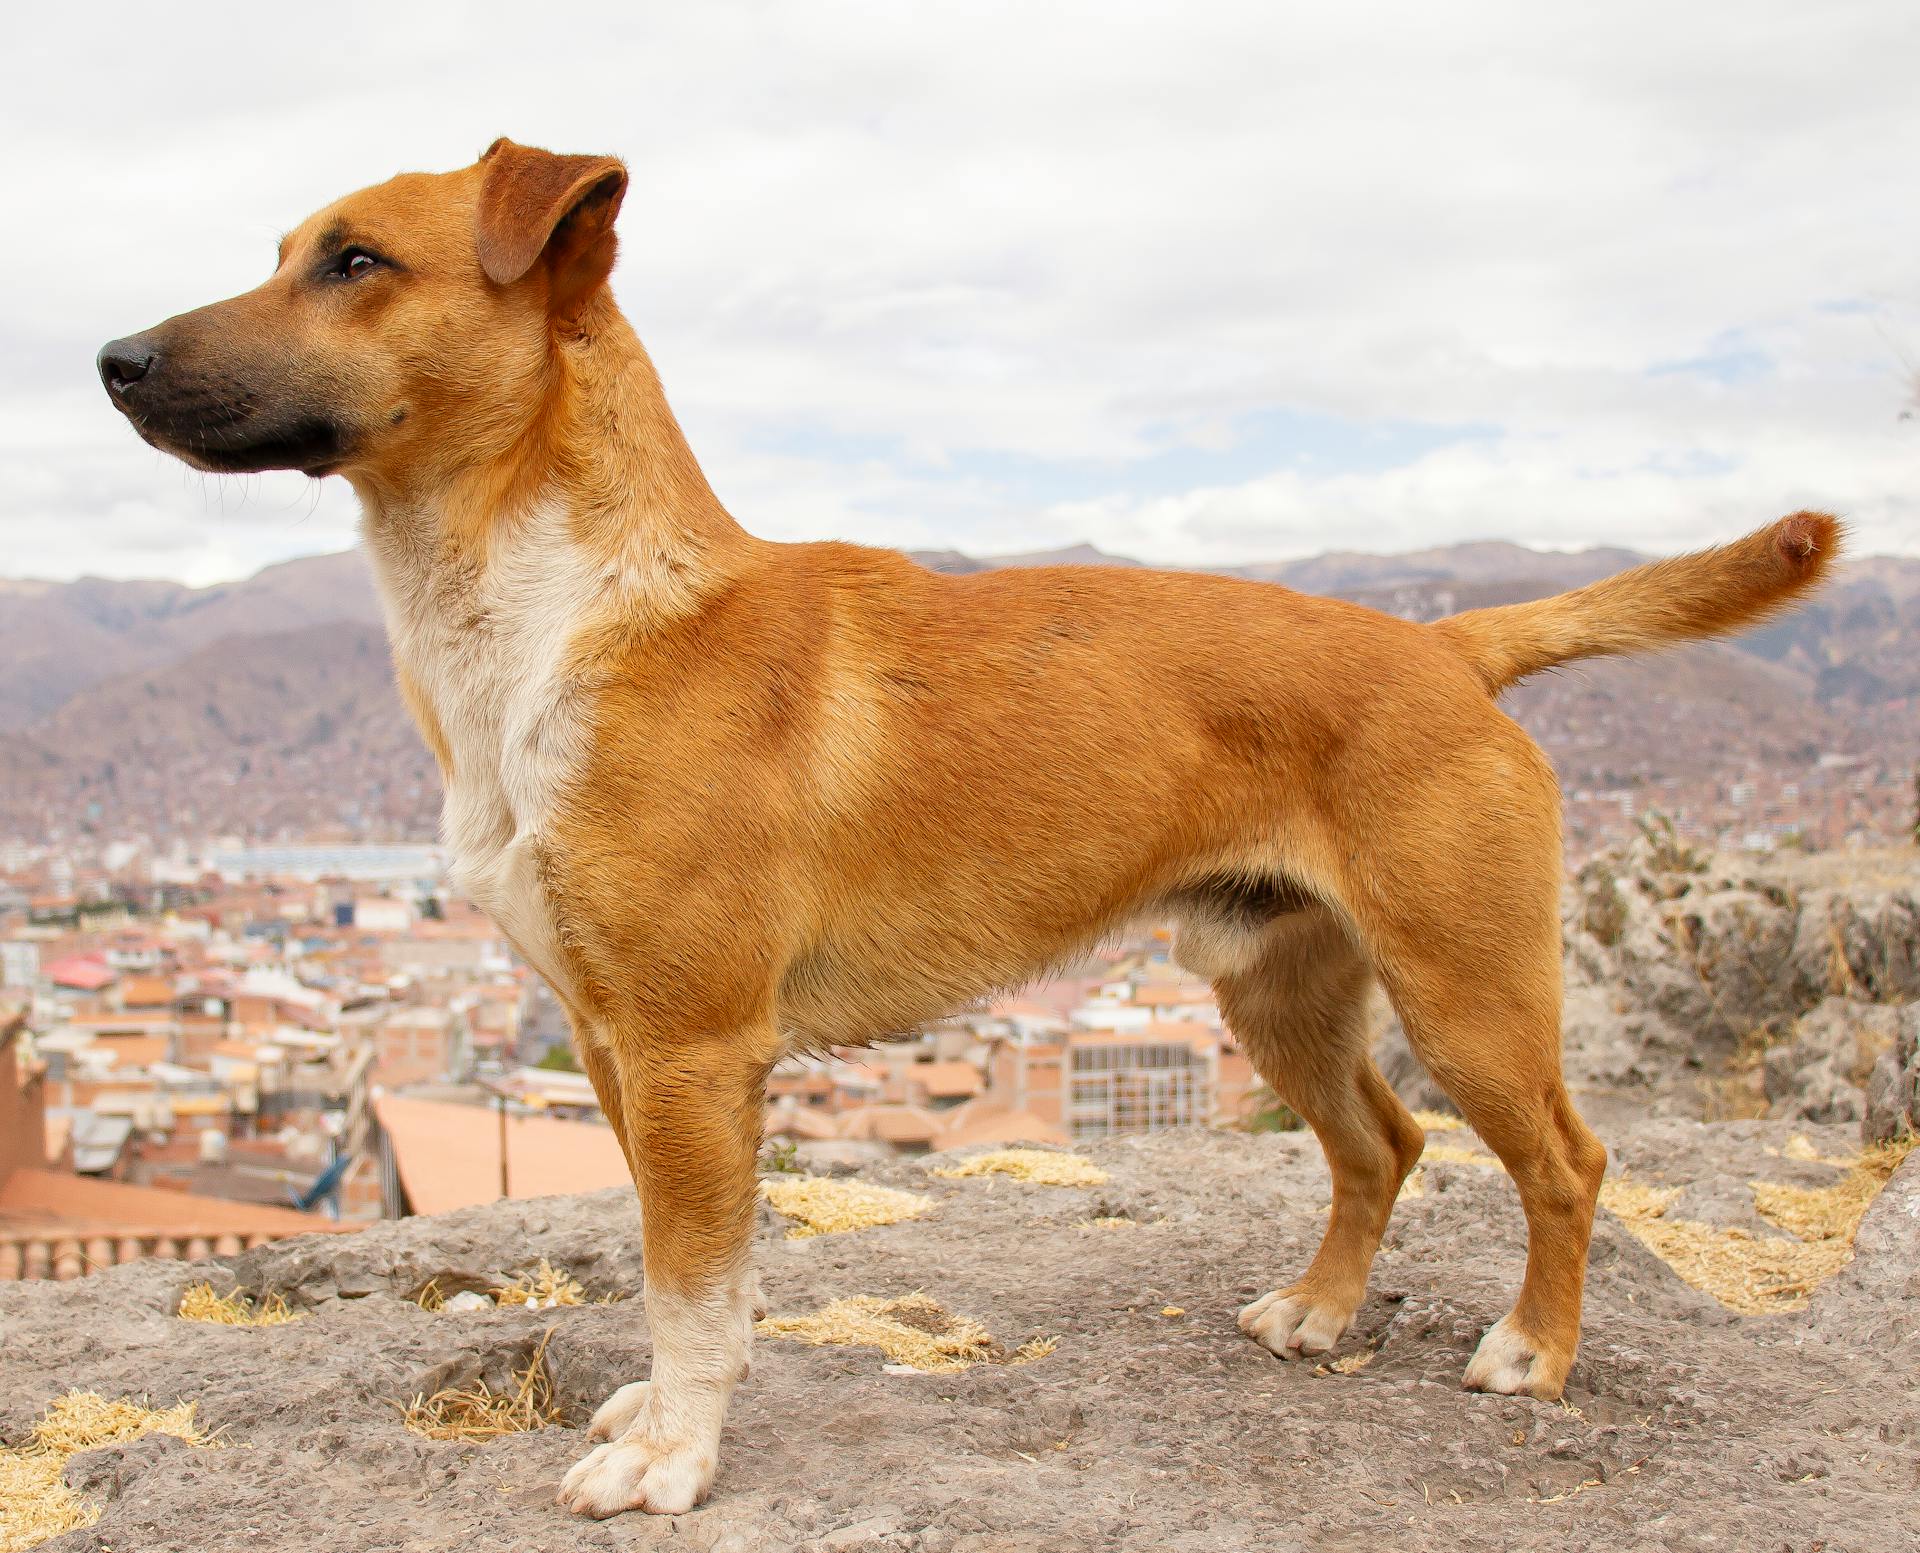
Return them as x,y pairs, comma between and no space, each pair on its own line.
735,799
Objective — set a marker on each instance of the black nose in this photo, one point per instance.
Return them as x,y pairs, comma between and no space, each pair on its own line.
123,363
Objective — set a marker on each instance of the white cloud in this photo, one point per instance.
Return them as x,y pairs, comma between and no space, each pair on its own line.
881,251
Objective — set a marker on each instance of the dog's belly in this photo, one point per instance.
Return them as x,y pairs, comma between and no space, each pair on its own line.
837,995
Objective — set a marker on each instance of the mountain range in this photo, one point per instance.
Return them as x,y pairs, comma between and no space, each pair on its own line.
265,706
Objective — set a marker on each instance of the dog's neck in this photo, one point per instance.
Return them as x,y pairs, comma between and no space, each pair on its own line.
602,447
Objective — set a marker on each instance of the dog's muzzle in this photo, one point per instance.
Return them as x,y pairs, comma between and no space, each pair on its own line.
216,420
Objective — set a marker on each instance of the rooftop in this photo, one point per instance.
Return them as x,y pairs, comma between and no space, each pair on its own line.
56,1225
448,1156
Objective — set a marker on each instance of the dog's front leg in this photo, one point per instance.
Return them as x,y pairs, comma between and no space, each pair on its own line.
692,1111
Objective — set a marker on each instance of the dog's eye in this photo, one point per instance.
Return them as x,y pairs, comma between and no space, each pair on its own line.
352,264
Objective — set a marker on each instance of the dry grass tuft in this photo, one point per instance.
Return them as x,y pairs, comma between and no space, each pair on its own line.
1039,1167
541,1289
911,1330
35,1503
478,1412
1800,1147
1348,1364
1832,1212
1760,1275
1454,1154
1112,1221
824,1206
235,1308
1438,1121
1415,1185
1635,1202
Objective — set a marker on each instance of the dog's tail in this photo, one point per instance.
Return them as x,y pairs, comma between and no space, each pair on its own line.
1706,594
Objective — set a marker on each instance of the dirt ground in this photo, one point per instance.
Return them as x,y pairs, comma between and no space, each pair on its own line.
1152,1425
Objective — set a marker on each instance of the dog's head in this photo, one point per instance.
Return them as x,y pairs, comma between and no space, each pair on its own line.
406,326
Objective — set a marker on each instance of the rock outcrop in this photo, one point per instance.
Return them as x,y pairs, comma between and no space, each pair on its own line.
1893,1088
1719,986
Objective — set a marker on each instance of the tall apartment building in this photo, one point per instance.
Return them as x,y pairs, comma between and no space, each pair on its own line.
1103,1083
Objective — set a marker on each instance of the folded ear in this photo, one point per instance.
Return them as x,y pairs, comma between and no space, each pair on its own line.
537,206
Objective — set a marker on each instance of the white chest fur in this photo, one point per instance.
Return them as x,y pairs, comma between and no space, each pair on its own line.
488,652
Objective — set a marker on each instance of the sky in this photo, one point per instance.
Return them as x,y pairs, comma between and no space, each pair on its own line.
1195,283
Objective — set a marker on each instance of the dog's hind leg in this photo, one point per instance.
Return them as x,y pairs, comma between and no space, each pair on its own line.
1460,908
1297,1007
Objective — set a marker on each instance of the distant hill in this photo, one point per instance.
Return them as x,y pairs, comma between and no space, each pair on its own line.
266,704
58,638
259,733
1348,572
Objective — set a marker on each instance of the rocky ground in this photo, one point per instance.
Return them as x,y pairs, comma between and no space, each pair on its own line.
1728,1023
1152,1425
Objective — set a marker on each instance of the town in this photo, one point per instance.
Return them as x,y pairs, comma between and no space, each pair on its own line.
206,1048
280,1039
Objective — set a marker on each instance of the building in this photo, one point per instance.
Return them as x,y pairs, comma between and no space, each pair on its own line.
56,1223
418,1043
1102,1083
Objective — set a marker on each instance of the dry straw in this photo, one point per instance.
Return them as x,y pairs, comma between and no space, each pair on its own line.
1454,1154
1832,1212
35,1503
235,1308
911,1330
478,1412
1760,1275
1752,1274
1438,1121
824,1206
1040,1167
542,1289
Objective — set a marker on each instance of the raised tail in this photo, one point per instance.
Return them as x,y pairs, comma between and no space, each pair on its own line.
1709,593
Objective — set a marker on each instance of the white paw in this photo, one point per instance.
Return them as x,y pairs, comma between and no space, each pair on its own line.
1291,1326
619,1413
1508,1363
636,1473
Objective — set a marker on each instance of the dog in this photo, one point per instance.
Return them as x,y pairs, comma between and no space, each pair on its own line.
735,799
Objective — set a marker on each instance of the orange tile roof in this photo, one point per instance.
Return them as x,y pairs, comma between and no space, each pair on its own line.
985,1121
945,1080
134,1051
891,1123
1157,1033
46,1201
795,1121
449,1155
1163,993
145,992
